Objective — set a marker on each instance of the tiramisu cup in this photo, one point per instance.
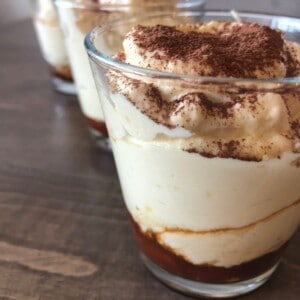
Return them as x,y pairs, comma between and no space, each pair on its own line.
204,121
77,18
51,41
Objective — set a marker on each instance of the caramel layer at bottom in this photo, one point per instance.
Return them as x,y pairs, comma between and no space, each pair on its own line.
97,125
205,273
63,72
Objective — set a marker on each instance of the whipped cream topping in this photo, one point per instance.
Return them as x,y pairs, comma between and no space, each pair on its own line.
245,124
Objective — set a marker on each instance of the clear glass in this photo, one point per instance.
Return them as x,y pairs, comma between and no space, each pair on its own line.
52,45
210,224
77,18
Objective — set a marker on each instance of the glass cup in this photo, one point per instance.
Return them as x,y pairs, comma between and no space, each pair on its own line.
52,45
210,212
77,18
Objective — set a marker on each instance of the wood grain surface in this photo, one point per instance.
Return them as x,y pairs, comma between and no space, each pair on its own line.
64,232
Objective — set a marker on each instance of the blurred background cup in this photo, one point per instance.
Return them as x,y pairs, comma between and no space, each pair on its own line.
77,18
211,225
52,45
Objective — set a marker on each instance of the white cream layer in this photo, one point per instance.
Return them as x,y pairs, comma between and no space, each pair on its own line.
51,41
83,77
168,191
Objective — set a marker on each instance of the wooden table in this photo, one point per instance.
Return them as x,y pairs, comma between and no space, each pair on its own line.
64,232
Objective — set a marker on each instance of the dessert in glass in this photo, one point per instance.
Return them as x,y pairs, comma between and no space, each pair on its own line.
204,122
77,18
52,45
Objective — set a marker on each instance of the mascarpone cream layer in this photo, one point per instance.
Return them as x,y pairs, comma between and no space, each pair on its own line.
202,208
74,38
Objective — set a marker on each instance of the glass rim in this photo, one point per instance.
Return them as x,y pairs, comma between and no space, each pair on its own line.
115,64
185,4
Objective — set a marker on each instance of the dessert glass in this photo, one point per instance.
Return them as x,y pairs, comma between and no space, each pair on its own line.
77,18
206,225
52,45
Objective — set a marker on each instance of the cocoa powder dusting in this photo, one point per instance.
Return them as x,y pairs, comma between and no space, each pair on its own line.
235,52
293,65
226,150
209,108
295,126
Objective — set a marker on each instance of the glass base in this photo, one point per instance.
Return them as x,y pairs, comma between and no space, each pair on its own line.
203,289
64,86
101,141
